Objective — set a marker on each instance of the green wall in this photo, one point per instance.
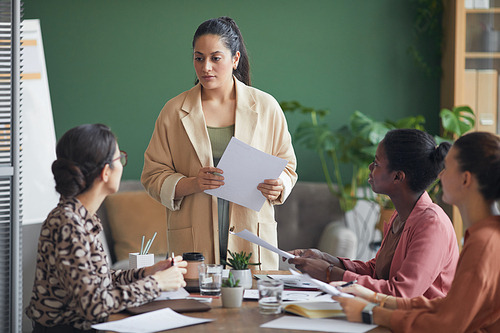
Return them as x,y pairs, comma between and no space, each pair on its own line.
118,61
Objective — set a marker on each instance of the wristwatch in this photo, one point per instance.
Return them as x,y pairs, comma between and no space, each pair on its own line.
367,313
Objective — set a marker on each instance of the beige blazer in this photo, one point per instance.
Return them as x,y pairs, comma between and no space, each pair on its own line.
180,146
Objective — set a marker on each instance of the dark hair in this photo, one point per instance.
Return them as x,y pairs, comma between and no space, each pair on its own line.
231,37
479,153
415,153
82,152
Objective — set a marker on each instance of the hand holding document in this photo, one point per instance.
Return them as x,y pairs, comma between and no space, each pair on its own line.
245,168
322,285
247,235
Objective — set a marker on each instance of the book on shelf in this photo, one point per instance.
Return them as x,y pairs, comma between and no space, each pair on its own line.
470,89
469,4
315,309
487,90
481,95
481,4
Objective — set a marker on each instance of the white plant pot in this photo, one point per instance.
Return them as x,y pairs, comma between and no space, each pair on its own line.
245,277
231,297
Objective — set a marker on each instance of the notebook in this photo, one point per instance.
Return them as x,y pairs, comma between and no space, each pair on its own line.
178,305
315,309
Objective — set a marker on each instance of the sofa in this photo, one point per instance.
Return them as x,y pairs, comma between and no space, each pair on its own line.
310,218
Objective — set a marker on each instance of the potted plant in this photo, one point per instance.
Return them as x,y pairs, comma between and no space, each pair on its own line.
231,292
355,144
239,263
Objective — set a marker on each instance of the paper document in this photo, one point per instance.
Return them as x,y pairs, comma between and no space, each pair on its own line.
294,281
289,295
321,285
247,235
154,321
244,169
322,325
177,294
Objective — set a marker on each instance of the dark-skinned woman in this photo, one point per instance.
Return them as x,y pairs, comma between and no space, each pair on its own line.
419,252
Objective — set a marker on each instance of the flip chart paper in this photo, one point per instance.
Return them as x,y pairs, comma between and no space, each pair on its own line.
247,235
154,321
244,169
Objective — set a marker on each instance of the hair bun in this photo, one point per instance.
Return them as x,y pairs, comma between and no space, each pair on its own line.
68,176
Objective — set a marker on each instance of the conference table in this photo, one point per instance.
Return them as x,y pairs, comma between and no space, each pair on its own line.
239,320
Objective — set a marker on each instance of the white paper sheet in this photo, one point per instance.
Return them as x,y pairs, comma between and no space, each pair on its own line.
177,294
322,325
154,321
247,235
321,285
291,296
294,281
244,169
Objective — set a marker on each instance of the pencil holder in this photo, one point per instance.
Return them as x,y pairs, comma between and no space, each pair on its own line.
136,260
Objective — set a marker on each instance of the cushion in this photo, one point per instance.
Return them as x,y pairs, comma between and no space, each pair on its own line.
338,240
132,215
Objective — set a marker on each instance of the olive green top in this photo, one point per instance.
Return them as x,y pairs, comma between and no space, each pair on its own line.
219,139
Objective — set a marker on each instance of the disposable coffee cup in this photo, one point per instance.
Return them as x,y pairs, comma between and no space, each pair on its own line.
193,259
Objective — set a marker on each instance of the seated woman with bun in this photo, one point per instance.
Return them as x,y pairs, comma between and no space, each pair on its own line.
419,252
74,286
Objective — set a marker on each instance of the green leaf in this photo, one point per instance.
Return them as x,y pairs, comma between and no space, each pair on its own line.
457,121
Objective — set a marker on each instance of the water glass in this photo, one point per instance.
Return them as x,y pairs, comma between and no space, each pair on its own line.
270,295
210,279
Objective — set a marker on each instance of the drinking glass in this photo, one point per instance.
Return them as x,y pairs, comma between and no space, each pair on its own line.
270,294
210,279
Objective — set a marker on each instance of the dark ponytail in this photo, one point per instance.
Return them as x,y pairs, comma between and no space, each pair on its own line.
230,35
479,153
82,152
416,154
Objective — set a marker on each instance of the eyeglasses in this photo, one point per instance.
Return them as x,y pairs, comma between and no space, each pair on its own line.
123,158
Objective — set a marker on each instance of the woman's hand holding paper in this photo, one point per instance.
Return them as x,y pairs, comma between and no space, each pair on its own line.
356,290
271,188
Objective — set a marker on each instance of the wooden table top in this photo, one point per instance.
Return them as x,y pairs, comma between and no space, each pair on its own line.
239,320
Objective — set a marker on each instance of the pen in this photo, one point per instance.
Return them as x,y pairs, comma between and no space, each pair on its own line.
173,262
142,245
347,284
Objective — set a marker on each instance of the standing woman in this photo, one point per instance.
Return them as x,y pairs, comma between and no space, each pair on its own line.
74,287
190,135
419,251
471,181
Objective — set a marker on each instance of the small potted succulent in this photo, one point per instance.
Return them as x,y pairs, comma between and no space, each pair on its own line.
239,263
231,292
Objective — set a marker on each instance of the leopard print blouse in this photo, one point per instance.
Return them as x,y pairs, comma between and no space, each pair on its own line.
73,283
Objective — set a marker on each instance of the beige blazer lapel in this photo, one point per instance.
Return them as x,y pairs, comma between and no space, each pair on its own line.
246,116
195,126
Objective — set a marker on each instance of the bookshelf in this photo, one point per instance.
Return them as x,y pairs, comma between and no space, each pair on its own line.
471,64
